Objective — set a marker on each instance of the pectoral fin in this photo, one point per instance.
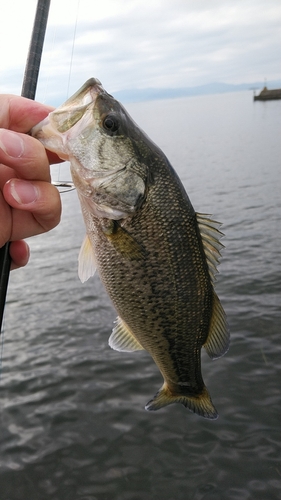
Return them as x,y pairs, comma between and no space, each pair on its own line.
122,339
122,240
86,260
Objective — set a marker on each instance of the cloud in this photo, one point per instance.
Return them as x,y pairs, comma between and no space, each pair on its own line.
136,44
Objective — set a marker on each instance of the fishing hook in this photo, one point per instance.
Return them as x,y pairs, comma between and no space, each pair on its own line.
63,186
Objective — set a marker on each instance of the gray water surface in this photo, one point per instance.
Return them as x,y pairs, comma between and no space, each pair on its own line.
73,424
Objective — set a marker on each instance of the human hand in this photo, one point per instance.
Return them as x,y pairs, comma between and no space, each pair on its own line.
29,204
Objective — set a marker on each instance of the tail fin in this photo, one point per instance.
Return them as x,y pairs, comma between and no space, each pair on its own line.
201,404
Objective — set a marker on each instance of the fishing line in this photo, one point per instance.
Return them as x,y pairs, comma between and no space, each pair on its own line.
2,349
65,186
53,36
72,51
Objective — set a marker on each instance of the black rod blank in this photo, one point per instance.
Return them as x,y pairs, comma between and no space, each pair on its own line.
28,90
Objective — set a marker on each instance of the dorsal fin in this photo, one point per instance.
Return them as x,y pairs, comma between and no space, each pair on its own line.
122,339
210,235
86,260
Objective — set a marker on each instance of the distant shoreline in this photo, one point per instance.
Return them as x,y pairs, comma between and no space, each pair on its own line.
150,94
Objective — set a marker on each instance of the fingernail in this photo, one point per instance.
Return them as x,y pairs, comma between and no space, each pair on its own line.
23,191
11,143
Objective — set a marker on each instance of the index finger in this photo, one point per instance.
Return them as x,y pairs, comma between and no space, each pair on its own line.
20,115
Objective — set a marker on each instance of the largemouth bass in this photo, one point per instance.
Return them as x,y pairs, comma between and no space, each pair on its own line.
156,257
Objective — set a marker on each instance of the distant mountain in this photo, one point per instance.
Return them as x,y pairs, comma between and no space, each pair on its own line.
149,94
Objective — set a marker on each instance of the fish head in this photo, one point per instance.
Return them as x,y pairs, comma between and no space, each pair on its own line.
68,120
106,149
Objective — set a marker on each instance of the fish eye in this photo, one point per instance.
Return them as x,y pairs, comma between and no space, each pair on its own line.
111,123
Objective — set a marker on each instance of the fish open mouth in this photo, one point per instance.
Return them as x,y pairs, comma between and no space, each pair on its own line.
56,129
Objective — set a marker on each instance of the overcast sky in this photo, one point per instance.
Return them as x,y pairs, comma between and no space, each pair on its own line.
138,43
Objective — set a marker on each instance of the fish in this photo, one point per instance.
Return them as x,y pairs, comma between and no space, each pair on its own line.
156,256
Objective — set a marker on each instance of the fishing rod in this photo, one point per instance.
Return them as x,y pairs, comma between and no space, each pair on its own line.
28,90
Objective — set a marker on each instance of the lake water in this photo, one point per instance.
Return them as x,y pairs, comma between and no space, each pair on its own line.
73,424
